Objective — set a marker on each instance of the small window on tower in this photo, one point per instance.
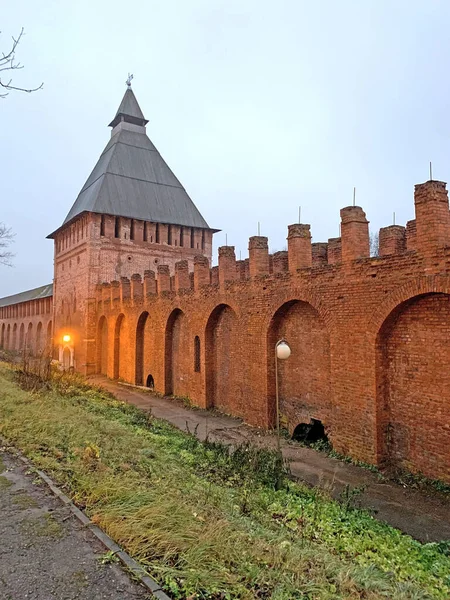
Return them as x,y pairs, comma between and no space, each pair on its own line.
157,233
132,229
169,235
145,235
203,239
181,237
102,225
117,227
192,237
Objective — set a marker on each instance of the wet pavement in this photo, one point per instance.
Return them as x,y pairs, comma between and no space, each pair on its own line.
45,552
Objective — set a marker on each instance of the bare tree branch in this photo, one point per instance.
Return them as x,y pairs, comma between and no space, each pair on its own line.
8,63
374,243
6,238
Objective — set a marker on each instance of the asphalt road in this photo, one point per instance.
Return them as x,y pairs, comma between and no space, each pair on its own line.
45,553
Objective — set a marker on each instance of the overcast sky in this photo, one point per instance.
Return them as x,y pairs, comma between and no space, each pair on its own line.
258,107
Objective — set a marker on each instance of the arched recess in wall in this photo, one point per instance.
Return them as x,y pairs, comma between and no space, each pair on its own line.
140,376
118,346
102,346
14,337
38,344
220,354
49,339
29,339
304,378
66,359
2,338
21,336
177,360
413,386
8,337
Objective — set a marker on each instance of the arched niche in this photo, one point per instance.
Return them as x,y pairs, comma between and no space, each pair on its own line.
304,378
102,346
413,386
220,360
176,354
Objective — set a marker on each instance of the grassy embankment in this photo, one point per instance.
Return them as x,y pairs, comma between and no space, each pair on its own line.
205,523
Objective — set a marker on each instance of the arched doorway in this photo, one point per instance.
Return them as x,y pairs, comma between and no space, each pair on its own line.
222,390
102,346
413,386
176,355
304,381
39,339
8,337
140,348
118,343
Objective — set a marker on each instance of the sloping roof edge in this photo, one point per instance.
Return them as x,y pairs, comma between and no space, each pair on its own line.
45,291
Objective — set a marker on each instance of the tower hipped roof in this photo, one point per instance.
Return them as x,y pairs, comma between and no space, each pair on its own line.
131,179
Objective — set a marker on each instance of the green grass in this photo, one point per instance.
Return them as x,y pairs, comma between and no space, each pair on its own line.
205,523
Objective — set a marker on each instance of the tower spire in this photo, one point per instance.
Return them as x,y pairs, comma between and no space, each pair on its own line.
129,109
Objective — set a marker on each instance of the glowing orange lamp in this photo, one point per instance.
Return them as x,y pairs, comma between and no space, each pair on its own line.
66,338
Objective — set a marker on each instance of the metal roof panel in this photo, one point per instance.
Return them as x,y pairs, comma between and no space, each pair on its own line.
45,291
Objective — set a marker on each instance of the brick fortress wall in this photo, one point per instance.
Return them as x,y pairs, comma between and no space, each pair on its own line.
369,336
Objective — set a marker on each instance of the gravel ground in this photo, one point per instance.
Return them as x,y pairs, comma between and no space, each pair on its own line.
45,553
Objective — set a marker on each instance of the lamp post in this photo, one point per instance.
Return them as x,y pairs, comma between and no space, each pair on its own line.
282,352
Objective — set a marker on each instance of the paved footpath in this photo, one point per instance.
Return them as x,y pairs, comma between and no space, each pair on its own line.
45,553
425,517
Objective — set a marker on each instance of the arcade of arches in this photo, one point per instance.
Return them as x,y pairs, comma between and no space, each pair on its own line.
224,358
35,339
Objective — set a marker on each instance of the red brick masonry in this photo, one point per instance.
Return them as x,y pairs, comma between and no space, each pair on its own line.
370,337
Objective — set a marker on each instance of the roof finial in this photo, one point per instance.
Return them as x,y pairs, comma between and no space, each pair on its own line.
128,81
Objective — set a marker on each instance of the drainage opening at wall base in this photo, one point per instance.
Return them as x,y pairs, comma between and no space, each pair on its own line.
150,383
310,433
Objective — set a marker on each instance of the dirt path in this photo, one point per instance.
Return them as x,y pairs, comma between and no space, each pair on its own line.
45,553
424,517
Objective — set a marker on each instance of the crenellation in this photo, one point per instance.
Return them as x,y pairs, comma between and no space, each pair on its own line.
258,250
411,235
106,293
125,289
202,274
137,288
149,283
115,291
319,254
227,264
280,262
392,240
299,246
432,216
354,233
182,280
163,280
215,275
334,250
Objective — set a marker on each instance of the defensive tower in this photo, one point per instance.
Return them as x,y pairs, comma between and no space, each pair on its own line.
132,215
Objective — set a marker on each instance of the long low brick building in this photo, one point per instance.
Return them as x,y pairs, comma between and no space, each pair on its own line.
370,336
